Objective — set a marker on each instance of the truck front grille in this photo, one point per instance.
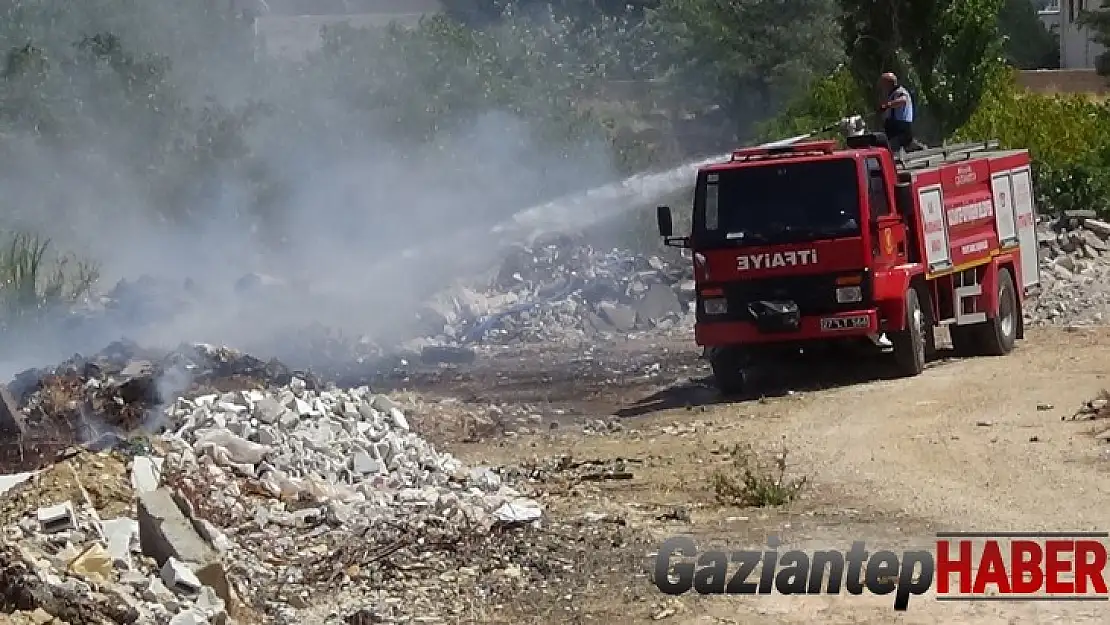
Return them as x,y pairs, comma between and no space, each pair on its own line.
814,295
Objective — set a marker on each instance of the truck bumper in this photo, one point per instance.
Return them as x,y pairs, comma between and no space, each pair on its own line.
812,328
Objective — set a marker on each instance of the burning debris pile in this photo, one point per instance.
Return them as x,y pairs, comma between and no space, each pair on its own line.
560,289
254,503
1075,271
116,392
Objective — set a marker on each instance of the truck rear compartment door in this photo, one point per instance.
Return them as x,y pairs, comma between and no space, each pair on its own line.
1025,214
934,228
1005,212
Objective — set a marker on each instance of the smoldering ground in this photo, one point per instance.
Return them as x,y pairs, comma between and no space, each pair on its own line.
362,222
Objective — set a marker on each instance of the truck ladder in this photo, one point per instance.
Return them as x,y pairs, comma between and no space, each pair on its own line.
943,154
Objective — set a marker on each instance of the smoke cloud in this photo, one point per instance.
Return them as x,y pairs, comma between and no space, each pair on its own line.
364,222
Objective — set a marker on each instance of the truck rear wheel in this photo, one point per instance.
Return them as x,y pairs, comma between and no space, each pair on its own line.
997,336
728,369
909,344
965,340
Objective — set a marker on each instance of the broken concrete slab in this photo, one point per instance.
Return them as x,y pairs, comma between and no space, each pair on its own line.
11,419
599,324
518,511
622,317
179,577
1094,241
119,534
214,576
659,301
8,482
268,410
137,368
227,448
1101,228
166,532
57,518
146,473
191,616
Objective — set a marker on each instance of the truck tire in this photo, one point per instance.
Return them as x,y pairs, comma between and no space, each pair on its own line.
728,369
996,337
910,344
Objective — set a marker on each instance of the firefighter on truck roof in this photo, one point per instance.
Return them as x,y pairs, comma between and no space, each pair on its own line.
897,113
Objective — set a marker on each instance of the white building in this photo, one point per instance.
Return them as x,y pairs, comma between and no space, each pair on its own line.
1050,16
1077,51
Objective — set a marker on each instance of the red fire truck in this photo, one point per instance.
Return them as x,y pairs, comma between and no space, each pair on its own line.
807,244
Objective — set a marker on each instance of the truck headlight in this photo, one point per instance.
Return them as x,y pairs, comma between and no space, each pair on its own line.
848,295
715,306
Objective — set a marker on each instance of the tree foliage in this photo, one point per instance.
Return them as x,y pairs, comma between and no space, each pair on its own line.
1028,44
832,97
945,50
539,68
747,56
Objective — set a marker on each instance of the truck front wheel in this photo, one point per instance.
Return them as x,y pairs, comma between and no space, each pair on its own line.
909,344
728,369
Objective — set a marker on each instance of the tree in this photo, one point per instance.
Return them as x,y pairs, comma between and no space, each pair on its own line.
1028,44
945,50
746,56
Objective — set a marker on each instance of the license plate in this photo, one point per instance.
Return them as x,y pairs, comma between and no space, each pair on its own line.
831,324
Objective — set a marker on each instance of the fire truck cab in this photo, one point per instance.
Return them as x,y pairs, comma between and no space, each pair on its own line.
806,244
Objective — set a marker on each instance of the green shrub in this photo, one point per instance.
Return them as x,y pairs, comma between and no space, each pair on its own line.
1055,129
1068,138
1073,186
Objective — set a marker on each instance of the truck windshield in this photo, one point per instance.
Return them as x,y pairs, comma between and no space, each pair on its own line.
778,203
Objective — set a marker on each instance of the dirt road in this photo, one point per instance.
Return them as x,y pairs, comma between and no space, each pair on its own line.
975,444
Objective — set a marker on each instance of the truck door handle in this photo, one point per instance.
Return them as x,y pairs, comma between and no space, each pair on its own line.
901,248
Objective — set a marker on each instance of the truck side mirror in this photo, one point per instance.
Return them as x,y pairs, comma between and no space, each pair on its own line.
663,217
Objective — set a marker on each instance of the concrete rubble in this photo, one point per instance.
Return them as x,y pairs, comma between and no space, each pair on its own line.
247,505
1096,408
1075,272
561,289
203,485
